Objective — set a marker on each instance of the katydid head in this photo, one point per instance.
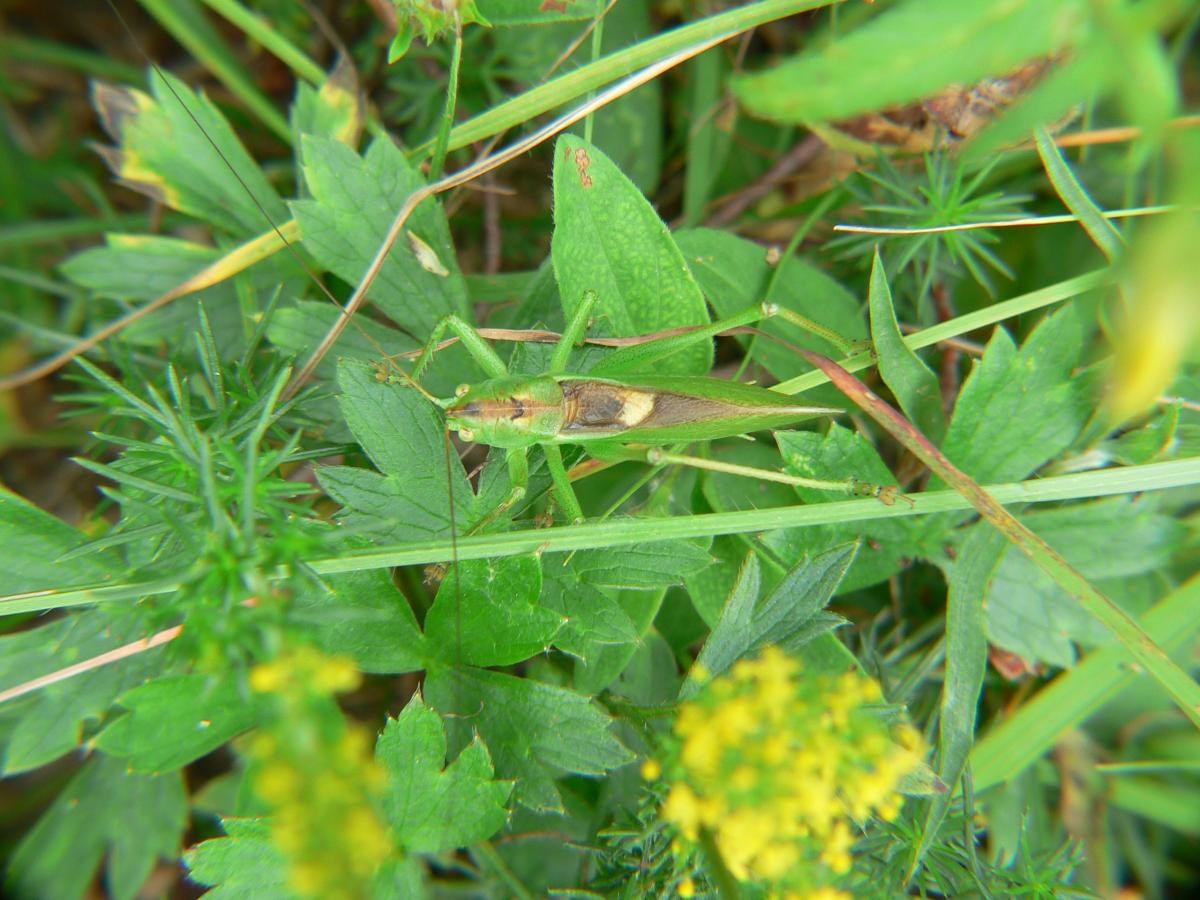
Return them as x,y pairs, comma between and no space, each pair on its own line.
507,412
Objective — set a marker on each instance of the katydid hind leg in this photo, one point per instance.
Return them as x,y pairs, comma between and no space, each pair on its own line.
886,494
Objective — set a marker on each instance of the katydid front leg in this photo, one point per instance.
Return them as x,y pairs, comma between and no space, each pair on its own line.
480,350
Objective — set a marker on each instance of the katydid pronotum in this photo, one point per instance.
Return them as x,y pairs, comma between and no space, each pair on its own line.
615,411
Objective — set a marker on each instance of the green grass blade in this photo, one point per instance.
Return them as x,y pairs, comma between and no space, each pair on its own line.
186,24
989,315
1099,228
578,83
623,532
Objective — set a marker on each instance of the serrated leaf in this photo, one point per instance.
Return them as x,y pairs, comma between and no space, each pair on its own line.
966,665
204,171
592,619
708,588
1019,409
354,201
914,383
430,805
746,625
402,434
172,721
364,615
536,731
608,238
139,267
487,613
943,41
335,109
641,566
298,329
245,864
104,811
1028,614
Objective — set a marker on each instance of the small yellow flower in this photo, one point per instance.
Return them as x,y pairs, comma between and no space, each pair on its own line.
773,764
687,888
268,678
651,770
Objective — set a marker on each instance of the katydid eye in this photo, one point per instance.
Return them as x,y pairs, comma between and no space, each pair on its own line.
467,435
462,390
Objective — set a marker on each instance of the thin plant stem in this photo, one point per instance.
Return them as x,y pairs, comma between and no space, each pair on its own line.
447,123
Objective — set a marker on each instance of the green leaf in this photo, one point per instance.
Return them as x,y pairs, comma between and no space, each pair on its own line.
1152,441
299,329
139,267
172,721
203,171
910,51
487,613
591,618
354,201
402,434
1017,410
608,238
431,808
104,812
966,665
708,588
536,731
34,540
641,566
243,865
598,670
51,721
735,274
336,109
364,616
914,384
747,626
1115,540
652,676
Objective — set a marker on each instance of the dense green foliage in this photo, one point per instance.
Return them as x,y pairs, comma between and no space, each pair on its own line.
383,688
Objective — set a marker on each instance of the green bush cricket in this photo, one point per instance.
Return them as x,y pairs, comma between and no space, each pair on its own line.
615,411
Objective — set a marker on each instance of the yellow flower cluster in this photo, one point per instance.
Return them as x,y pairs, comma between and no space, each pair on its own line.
775,767
318,776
